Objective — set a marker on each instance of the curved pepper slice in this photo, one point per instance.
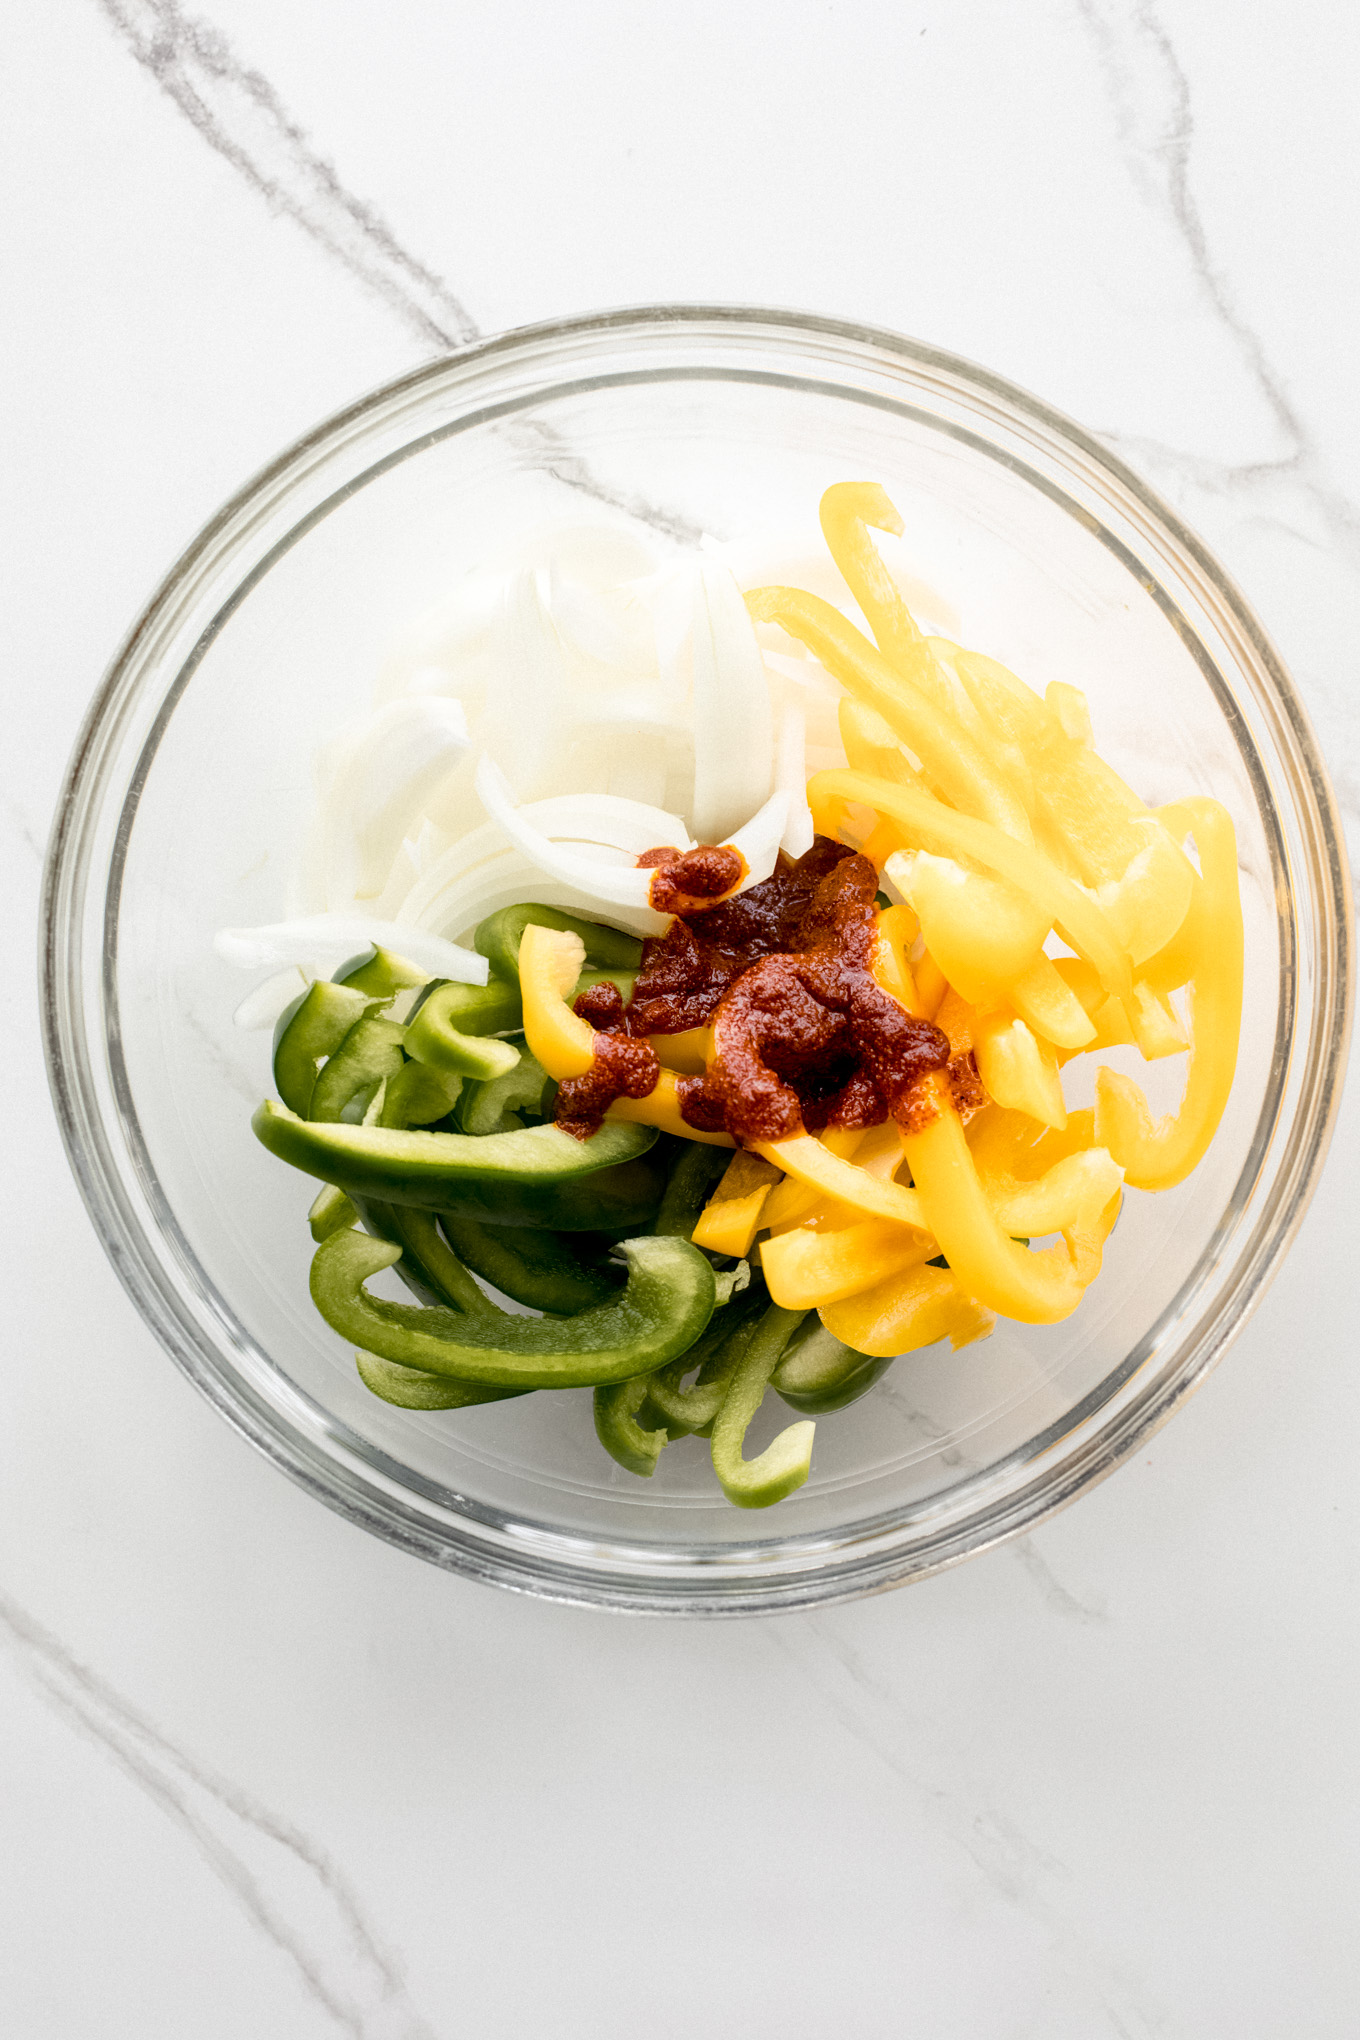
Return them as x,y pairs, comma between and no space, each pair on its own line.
785,1463
434,1037
498,938
954,760
411,1389
811,1162
694,1171
665,1304
314,1029
381,974
369,1054
529,1264
427,1267
819,1373
499,1104
932,826
536,1176
714,1354
417,1095
330,1210
620,1433
1156,1156
805,1269
731,1218
1038,1288
907,1312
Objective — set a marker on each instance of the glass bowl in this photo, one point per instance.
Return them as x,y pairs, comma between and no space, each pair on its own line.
191,782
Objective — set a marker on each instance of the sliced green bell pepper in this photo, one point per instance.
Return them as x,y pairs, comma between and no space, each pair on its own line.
369,1055
784,1464
715,1355
381,975
529,1264
538,1176
694,1169
434,1037
417,1095
620,1433
330,1210
499,936
427,1266
665,1304
502,1104
309,1031
410,1389
492,1008
819,1373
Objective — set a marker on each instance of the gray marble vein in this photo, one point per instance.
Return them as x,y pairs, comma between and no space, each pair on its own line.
1015,1868
1155,125
1058,1598
286,1885
239,114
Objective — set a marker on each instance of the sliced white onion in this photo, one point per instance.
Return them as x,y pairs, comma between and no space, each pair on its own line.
627,887
630,825
394,768
509,880
327,940
758,840
733,736
790,777
263,1006
521,723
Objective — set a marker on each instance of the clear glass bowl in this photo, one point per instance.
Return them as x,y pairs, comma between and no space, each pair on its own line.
193,775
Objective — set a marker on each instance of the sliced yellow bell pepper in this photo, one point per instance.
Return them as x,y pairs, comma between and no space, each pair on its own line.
791,1201
931,985
1018,1069
689,1052
810,1161
951,758
731,1219
981,930
550,962
806,1269
871,745
1154,1157
661,1108
908,1311
1037,1288
1048,1005
932,826
848,511
1071,711
896,932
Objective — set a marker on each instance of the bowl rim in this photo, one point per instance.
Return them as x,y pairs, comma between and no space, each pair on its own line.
464,1547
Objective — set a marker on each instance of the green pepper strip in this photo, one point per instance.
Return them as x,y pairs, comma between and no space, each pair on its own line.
715,1355
498,938
312,1029
536,1176
427,1266
498,1106
434,1037
416,1095
531,1265
819,1373
667,1301
618,1430
369,1053
784,1464
330,1210
382,975
410,1389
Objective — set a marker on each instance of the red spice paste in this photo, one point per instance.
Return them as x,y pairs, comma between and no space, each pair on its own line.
803,1037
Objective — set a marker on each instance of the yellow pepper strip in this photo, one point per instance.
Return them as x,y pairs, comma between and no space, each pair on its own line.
791,1201
730,1220
884,840
896,931
957,1019
906,1312
931,985
981,931
1068,1198
1018,1069
848,511
1174,965
1156,1025
550,962
1037,1288
806,1269
661,1108
1072,712
811,1161
871,745
690,1051
933,826
1009,1146
953,759
1154,1157
1048,1005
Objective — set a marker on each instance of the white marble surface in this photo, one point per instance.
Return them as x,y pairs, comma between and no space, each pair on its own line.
262,1775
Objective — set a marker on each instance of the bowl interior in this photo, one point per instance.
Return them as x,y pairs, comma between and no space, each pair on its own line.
1024,546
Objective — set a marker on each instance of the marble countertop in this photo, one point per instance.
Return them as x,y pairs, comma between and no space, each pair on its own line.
264,1775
